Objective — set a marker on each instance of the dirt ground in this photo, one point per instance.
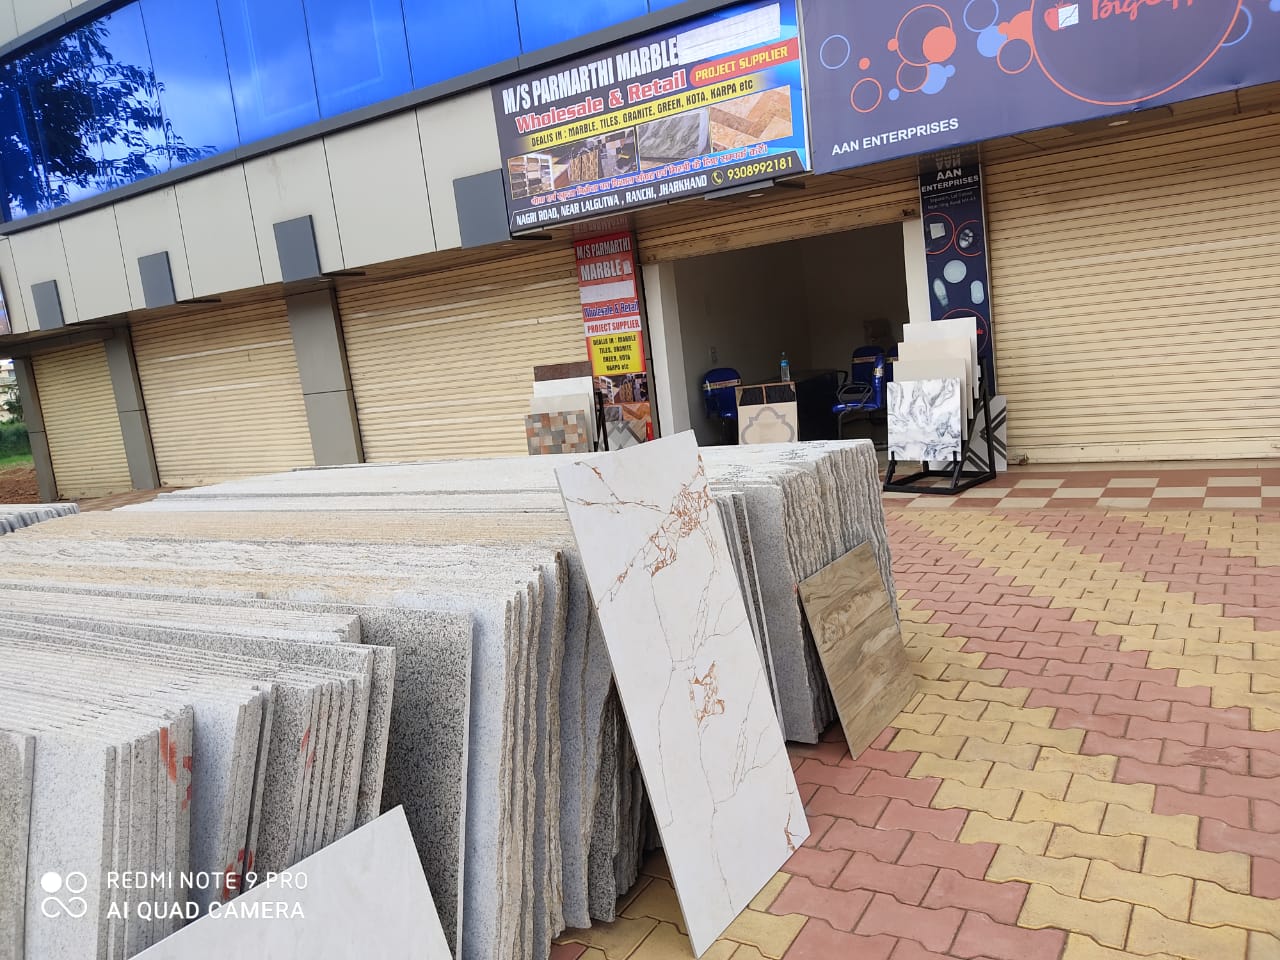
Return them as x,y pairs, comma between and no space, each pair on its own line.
18,485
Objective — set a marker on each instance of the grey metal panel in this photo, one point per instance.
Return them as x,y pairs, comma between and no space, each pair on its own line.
136,432
317,342
46,482
39,255
296,247
95,265
48,304
124,372
482,209
222,247
335,437
287,185
12,289
8,22
459,138
29,393
32,16
157,280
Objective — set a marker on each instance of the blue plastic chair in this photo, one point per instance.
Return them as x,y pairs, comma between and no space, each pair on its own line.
720,399
862,389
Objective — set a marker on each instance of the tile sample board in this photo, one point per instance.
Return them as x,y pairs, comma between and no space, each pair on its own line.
966,327
860,644
998,437
769,423
564,431
924,419
364,896
692,686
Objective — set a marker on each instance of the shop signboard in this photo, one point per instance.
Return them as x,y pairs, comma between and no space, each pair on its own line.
894,78
701,106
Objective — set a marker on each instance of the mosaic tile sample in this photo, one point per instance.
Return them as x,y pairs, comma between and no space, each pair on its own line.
568,431
694,692
924,419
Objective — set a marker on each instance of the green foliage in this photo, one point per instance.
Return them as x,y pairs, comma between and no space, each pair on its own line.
14,441
11,403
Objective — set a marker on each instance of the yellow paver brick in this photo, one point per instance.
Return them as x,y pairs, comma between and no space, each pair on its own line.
1151,932
1013,696
1106,922
1240,650
917,722
1270,668
1023,756
956,656
1165,645
1032,716
909,740
1083,816
1265,684
769,934
966,709
1065,875
616,940
970,772
1052,759
1170,895
1080,947
1049,783
946,689
996,803
974,674
1108,629
769,893
1202,663
1123,851
1180,828
1230,870
1139,796
1066,740
1264,720
1214,906
668,943
993,731
1027,837
657,902
1230,682
1263,946
926,670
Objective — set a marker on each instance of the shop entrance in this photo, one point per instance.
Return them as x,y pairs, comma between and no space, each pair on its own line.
817,299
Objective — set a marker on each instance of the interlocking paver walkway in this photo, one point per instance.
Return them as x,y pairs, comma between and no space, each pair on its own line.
1090,767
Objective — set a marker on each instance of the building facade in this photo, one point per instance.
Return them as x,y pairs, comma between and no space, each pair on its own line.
248,235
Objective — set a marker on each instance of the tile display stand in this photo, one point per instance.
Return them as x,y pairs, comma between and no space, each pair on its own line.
958,478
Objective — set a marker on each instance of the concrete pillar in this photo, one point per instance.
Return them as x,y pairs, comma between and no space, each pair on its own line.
132,410
326,381
669,378
30,395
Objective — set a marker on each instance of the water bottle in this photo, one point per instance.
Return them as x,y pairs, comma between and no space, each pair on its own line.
786,368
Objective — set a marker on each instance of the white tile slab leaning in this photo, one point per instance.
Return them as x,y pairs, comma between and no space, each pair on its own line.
691,682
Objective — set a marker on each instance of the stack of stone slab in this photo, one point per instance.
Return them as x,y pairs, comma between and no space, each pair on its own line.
15,516
187,739
507,744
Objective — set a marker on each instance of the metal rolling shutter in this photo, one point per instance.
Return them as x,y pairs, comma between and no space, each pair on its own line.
864,197
80,420
222,394
1136,295
442,363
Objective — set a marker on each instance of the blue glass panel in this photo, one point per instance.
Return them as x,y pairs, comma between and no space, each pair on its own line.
655,5
544,22
451,39
21,183
191,68
270,63
359,52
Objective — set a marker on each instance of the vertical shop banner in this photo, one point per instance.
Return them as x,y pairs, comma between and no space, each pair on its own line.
892,78
952,213
702,106
611,317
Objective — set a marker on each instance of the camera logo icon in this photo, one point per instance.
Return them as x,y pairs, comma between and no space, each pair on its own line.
73,905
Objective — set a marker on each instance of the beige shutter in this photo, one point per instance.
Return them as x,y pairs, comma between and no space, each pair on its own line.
80,420
809,207
442,363
1136,295
222,394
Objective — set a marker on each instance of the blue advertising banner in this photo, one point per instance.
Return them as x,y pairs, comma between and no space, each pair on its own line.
704,105
892,78
955,245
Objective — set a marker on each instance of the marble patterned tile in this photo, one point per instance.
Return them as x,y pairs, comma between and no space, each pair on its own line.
694,691
924,419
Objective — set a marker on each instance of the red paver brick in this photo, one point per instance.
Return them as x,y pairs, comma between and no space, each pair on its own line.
1253,739
1199,696
567,951
840,908
882,844
820,866
881,784
1172,801
807,791
1094,671
943,824
819,824
1237,717
1035,681
829,753
980,936
1232,759
1190,733
1220,783
1264,763
910,950
1183,777
1132,658
882,741
1265,879
1083,702
845,779
1126,689
1036,649
997,661
1112,726
1144,674
998,647
818,940
934,929
1221,837
1115,706
1000,901
1266,815
890,762
1099,744
865,872
863,810
970,859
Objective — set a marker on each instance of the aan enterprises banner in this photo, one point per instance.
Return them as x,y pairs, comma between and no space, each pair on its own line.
702,106
891,78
